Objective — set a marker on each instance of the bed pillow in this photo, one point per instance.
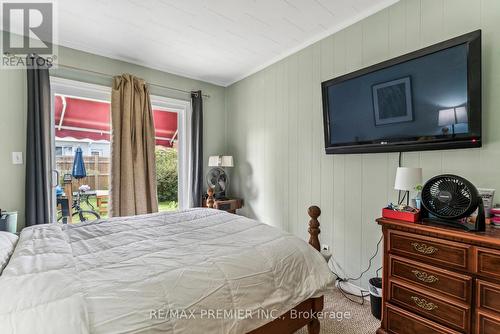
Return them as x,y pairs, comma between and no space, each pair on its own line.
7,244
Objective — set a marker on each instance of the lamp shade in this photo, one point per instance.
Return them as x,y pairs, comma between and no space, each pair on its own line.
220,161
461,115
446,117
407,178
452,116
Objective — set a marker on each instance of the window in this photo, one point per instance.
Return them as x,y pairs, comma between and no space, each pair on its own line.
81,118
172,140
63,150
67,150
167,177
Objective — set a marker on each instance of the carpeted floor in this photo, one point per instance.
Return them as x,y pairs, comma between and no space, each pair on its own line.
357,320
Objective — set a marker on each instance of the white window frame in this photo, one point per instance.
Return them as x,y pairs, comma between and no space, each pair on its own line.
77,89
99,93
183,110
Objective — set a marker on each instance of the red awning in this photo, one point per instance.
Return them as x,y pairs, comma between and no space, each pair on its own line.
165,126
86,119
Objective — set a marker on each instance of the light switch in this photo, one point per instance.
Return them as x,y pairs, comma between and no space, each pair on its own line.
17,158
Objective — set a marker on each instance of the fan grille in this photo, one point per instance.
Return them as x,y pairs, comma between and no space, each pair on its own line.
449,197
217,180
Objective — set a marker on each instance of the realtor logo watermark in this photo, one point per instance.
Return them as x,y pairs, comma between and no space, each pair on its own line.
240,314
27,29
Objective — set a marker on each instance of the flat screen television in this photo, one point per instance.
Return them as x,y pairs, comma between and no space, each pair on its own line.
425,100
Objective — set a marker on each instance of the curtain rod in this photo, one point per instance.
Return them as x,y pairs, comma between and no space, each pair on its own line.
111,76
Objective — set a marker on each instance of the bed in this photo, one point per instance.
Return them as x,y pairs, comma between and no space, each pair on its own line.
194,271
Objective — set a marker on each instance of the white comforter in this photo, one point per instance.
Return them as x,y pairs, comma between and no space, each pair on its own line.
169,272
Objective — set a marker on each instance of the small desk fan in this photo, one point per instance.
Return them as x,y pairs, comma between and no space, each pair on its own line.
217,178
450,200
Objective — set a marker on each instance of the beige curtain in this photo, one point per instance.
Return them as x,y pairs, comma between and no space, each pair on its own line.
133,170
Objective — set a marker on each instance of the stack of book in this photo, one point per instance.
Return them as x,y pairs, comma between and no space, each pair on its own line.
495,216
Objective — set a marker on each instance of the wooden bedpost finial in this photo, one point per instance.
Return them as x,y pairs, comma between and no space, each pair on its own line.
210,199
314,212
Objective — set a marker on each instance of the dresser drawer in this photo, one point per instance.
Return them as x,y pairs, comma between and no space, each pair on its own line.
432,278
400,321
449,313
487,324
432,250
488,296
488,262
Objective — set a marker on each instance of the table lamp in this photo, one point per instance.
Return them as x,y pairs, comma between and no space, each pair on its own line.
407,178
452,116
220,161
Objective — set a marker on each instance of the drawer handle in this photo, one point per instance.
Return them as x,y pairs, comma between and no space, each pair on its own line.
424,277
424,304
424,249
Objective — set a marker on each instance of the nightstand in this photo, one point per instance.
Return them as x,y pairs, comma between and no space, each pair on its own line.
229,204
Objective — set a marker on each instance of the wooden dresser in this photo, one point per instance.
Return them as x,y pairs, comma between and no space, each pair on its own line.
440,280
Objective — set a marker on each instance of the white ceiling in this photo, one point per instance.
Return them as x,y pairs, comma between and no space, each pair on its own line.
218,41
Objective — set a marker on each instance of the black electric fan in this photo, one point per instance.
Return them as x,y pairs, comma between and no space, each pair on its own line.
451,200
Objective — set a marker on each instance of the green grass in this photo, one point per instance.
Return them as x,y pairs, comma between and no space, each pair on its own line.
93,201
162,206
167,206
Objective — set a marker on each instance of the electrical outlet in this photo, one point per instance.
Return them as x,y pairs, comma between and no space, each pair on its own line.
325,247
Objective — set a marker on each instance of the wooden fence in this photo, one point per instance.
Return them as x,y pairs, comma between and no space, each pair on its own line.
97,167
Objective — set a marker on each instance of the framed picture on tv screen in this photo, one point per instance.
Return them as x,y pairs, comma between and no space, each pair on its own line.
392,102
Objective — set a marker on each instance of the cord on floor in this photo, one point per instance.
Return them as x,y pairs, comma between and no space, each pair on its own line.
347,294
341,280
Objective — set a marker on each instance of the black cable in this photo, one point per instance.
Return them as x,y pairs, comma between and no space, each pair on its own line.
399,165
347,279
347,294
369,263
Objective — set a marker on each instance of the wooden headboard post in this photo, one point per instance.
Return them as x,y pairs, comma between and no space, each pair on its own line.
314,231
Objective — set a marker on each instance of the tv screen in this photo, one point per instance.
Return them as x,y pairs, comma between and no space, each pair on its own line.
428,99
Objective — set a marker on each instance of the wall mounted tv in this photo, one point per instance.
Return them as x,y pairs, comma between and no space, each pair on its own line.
426,100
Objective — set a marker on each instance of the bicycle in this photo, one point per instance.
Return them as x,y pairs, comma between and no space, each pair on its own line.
78,212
